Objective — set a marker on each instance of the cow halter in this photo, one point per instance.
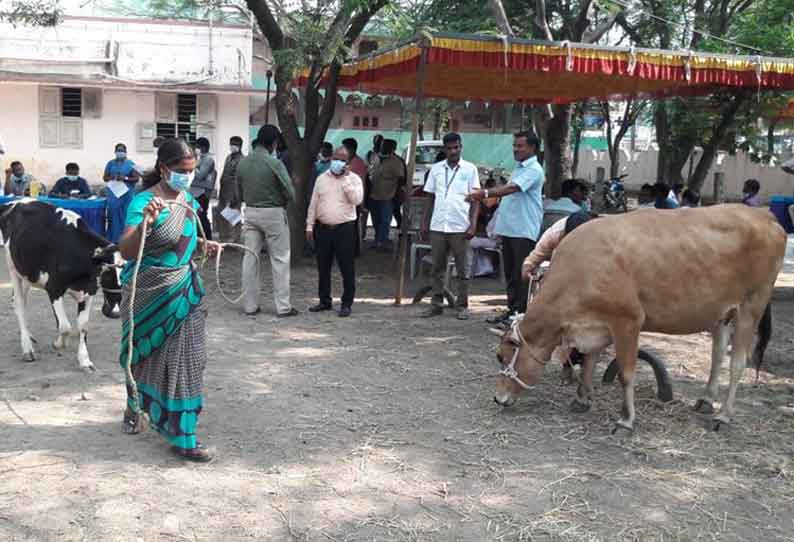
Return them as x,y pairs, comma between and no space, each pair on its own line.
518,341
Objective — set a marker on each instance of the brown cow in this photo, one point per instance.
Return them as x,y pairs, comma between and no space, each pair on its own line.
676,272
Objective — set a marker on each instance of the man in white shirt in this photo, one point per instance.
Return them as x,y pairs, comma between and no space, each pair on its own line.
453,222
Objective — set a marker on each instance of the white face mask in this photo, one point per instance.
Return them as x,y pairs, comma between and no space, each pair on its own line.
234,149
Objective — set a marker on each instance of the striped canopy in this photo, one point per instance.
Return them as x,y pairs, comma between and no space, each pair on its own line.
493,69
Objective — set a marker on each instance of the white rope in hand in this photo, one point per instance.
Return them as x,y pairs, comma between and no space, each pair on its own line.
131,383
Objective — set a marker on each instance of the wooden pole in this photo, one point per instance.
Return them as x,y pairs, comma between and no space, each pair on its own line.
411,167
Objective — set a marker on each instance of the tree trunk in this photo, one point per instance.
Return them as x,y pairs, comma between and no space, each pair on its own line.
557,152
436,123
663,141
614,162
577,143
728,115
770,138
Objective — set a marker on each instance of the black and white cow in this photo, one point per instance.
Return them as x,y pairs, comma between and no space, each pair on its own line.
55,250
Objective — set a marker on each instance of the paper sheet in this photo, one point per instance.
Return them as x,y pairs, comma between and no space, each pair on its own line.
232,216
118,188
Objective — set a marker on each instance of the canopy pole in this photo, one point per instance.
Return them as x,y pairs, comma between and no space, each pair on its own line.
411,169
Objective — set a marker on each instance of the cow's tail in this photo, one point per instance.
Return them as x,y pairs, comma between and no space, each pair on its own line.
764,334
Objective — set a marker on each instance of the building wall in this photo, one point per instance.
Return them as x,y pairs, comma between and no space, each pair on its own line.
143,50
121,113
641,168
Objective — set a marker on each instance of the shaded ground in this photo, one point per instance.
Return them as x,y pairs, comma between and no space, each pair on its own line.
382,427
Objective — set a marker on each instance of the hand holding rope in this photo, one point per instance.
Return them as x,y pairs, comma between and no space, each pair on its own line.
132,385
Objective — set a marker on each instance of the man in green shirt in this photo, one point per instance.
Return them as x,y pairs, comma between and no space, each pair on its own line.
266,189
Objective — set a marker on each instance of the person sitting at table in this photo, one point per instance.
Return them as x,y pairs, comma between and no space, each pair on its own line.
573,198
750,193
483,244
119,169
72,185
18,182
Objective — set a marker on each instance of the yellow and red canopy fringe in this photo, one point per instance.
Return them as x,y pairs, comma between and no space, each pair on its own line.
486,68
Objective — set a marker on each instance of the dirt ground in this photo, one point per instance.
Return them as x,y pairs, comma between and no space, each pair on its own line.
382,427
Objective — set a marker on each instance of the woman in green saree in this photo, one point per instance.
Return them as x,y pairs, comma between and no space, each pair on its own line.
169,345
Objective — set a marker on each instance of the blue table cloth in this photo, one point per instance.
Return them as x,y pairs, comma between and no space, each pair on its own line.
93,211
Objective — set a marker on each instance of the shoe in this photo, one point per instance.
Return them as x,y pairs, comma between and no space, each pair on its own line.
344,312
292,312
320,307
463,313
254,313
435,310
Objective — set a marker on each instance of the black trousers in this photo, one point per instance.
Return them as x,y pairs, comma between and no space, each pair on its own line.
204,202
514,251
336,242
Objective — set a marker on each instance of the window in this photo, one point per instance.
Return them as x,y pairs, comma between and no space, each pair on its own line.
61,114
72,102
356,122
189,116
374,122
366,122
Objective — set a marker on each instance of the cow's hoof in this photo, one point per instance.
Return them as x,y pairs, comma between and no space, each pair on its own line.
60,343
579,407
624,425
88,368
703,406
28,357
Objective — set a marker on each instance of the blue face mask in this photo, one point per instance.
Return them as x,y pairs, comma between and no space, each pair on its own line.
121,155
72,177
338,167
180,181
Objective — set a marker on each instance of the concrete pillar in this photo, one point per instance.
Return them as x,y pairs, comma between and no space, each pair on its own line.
719,187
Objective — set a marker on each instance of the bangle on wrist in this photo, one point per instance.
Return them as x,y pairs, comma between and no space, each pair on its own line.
486,193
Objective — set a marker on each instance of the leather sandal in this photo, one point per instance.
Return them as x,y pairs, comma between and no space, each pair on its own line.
199,454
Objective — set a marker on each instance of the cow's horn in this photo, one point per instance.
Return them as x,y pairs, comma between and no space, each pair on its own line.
498,332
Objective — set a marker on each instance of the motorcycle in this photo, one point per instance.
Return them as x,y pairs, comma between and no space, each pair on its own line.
615,194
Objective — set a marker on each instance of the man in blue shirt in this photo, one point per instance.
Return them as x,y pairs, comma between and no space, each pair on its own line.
72,184
518,218
119,169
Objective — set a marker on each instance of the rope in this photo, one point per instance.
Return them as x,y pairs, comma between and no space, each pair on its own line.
132,385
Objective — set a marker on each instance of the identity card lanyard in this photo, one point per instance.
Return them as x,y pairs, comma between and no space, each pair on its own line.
448,182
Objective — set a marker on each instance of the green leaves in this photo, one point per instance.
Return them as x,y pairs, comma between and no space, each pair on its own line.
32,12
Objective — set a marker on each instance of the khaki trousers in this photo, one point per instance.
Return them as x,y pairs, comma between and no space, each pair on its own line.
268,225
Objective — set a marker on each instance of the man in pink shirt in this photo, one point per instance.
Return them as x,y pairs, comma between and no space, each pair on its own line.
550,239
331,224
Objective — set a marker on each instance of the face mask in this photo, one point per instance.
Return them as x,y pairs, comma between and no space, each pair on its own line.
234,149
180,181
121,155
18,178
338,167
72,177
